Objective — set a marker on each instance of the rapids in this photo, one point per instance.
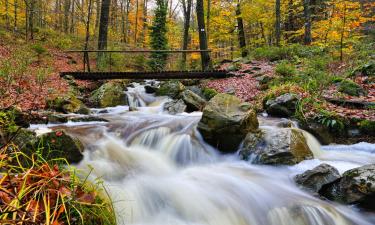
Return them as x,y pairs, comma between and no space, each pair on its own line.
158,170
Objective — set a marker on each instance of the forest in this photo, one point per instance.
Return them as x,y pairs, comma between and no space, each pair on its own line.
225,112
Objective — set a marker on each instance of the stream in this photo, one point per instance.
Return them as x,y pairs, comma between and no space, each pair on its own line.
158,170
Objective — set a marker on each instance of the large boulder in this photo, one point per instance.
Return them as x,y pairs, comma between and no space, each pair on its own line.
68,104
175,107
109,95
357,186
282,106
283,146
170,88
314,179
193,101
53,145
224,123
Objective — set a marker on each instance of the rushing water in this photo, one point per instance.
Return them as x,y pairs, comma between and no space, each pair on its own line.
158,170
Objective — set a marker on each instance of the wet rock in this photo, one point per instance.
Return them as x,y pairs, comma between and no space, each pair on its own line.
193,101
282,106
88,119
224,124
175,107
285,123
68,104
197,90
59,144
313,180
319,131
351,88
109,95
357,186
150,89
283,146
171,89
57,118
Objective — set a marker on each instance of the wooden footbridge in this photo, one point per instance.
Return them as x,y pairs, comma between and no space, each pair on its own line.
88,74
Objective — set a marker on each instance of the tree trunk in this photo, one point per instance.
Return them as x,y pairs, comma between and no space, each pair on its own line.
103,26
241,31
7,14
290,21
66,15
15,16
307,15
98,4
278,23
186,6
144,26
72,21
126,21
342,34
205,57
86,61
208,19
136,23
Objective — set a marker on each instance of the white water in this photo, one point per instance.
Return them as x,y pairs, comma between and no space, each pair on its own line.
158,170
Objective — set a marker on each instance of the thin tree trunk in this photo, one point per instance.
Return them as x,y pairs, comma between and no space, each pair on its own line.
98,4
7,14
103,26
208,16
15,16
342,34
241,31
126,21
205,57
278,23
86,56
307,15
186,6
144,26
67,4
72,21
136,23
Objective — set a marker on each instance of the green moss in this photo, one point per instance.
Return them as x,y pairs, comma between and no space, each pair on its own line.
351,88
209,93
109,95
68,104
367,69
367,126
170,88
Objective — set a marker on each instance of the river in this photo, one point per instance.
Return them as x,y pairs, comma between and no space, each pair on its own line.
158,170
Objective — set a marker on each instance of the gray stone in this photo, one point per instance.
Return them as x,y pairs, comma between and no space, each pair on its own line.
313,180
282,106
109,95
283,146
357,186
193,101
171,89
175,107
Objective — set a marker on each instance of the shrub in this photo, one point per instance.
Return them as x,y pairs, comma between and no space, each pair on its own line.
285,69
209,93
351,88
367,69
367,126
330,120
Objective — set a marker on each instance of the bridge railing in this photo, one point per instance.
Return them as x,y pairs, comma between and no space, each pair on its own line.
138,60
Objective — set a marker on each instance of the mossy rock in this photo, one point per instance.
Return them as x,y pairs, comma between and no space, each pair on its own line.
171,89
351,88
367,69
68,104
59,144
109,95
225,123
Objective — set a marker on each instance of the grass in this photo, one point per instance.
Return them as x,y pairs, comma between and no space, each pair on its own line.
46,192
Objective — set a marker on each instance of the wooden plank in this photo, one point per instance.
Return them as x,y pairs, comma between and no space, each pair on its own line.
147,75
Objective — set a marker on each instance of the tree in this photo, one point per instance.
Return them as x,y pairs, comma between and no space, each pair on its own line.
103,27
307,16
241,31
278,22
186,7
159,40
205,57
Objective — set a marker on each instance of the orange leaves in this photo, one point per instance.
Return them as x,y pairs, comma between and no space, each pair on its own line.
40,194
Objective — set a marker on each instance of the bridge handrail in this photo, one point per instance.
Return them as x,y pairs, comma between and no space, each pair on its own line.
138,51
